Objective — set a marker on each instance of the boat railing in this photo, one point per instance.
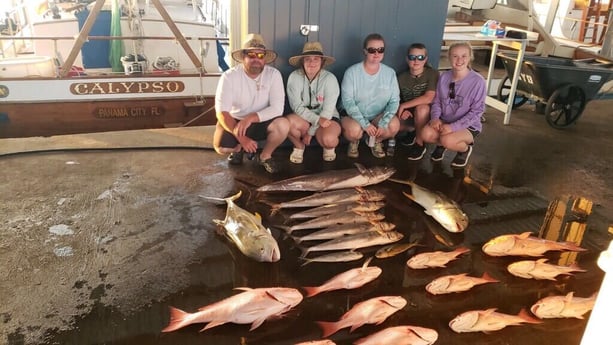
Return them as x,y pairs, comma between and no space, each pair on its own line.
205,48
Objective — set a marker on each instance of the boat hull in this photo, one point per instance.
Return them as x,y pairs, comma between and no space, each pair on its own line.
46,107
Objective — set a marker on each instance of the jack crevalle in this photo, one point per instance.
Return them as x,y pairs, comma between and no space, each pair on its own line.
252,306
247,232
525,245
540,269
488,320
567,306
401,335
330,180
444,210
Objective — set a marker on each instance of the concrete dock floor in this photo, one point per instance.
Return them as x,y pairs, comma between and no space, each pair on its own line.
102,232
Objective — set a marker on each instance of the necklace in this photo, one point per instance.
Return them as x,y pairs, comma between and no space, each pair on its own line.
257,82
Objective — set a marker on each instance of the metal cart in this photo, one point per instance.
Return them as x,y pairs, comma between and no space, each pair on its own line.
563,86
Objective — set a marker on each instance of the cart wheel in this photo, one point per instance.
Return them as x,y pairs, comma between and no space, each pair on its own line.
503,93
564,106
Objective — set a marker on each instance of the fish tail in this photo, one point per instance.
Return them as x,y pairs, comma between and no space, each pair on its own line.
572,247
230,198
489,278
523,314
274,206
305,251
462,250
306,262
327,328
178,320
274,209
575,267
311,290
407,182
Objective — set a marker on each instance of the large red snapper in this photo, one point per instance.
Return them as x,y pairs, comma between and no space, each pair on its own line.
401,335
488,320
566,306
435,259
247,232
457,283
351,279
374,310
540,269
525,245
252,306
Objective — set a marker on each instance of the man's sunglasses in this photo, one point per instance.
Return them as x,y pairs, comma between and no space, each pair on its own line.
412,57
254,55
372,50
452,90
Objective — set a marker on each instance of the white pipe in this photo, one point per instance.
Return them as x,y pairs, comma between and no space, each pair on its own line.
599,324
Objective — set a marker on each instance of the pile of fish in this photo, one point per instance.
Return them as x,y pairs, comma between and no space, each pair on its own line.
252,306
339,221
331,180
340,217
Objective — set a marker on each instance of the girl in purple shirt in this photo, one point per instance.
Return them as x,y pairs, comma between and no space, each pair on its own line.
455,117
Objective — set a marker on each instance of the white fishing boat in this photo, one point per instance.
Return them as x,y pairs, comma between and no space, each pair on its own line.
73,67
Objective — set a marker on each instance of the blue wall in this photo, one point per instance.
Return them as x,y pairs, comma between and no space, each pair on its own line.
343,24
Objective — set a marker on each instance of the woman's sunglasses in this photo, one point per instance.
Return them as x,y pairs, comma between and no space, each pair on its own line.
372,50
254,55
452,90
412,57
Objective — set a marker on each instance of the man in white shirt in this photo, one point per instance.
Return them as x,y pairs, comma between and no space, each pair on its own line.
249,105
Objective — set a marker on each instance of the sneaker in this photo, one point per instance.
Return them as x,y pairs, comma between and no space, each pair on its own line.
461,158
236,158
437,154
377,150
329,155
297,156
352,151
269,165
408,139
416,152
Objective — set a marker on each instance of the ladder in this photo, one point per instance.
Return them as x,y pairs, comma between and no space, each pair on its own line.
591,20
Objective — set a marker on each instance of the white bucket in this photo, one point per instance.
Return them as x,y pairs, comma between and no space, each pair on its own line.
131,67
27,66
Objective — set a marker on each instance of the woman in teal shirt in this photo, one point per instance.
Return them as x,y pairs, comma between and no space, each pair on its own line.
370,97
313,92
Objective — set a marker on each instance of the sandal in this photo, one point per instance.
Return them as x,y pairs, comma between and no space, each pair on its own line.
297,156
329,155
269,165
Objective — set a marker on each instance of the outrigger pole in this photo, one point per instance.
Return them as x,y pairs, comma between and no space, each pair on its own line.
91,19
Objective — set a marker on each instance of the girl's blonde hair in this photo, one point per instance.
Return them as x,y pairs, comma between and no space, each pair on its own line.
464,44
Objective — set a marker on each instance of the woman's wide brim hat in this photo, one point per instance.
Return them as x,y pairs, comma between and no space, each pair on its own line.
311,49
254,42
